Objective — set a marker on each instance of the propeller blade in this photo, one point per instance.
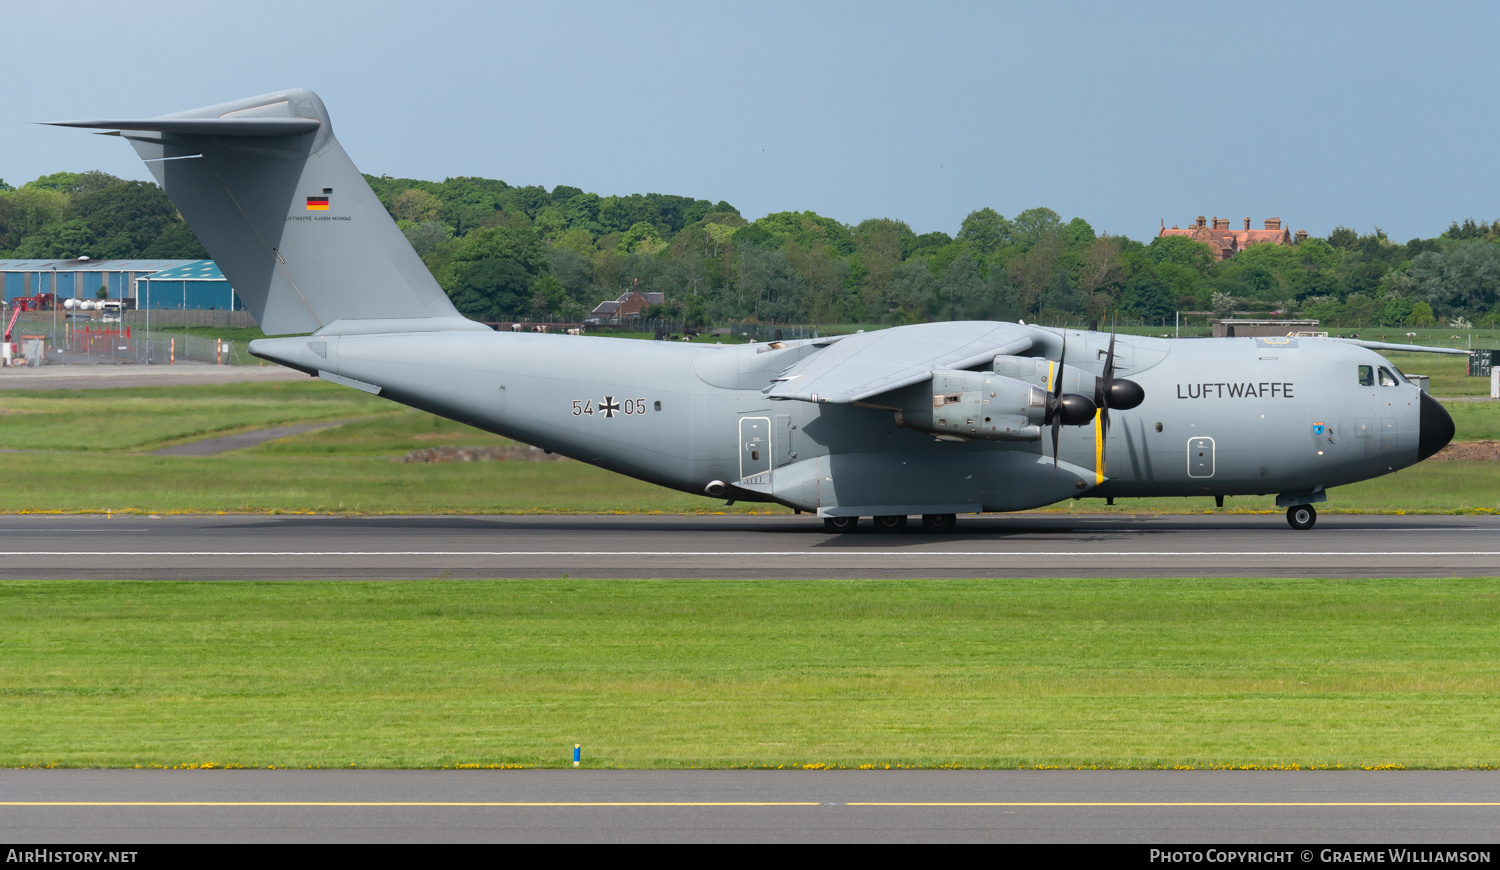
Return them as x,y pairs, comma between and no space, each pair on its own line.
1057,379
1055,403
1056,428
1102,387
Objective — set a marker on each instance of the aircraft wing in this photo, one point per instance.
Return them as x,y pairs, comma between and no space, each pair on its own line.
1410,348
868,364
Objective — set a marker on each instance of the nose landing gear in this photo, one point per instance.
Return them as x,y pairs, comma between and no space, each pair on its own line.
1301,516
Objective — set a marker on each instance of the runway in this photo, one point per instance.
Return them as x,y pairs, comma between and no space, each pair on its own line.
738,547
125,806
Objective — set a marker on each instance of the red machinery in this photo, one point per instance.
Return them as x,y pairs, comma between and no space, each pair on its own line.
34,303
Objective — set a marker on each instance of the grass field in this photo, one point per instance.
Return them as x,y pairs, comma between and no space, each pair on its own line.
144,418
88,450
692,673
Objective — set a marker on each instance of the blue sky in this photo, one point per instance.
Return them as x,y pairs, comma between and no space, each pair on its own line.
1362,114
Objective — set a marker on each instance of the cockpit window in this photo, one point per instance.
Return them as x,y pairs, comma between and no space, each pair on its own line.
1386,378
1367,376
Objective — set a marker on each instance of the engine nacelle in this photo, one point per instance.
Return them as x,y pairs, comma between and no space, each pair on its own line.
978,405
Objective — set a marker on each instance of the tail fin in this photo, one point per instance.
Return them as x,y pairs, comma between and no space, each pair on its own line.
288,218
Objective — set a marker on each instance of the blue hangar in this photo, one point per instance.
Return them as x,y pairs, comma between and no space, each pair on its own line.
175,285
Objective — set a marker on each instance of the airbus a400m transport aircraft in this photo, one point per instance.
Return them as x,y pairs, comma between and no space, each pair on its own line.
933,420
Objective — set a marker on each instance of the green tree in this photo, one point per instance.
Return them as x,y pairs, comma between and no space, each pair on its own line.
986,231
641,238
768,288
1343,238
1182,251
1078,233
880,243
1036,271
548,297
577,240
963,290
1148,297
912,293
25,211
425,236
416,205
1360,310
1395,311
60,240
1035,225
808,229
493,289
1421,315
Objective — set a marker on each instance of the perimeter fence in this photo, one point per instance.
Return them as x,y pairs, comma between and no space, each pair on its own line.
98,342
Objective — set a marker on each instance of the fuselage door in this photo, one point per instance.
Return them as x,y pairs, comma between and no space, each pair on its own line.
1200,457
1390,435
755,450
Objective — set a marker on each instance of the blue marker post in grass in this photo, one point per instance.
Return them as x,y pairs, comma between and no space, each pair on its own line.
577,754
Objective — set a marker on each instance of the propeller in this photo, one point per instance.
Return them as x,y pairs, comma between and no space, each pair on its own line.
1110,391
1069,408
1054,402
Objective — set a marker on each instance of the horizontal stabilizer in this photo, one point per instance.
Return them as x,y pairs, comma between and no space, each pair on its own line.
248,127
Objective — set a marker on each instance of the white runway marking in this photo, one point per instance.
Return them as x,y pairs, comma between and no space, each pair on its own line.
775,553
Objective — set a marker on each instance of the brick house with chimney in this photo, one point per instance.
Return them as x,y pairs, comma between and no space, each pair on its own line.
630,304
1227,242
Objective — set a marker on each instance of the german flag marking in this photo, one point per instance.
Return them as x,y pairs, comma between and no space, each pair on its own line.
317,203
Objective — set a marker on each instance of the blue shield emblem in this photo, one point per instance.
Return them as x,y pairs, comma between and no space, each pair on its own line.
1317,428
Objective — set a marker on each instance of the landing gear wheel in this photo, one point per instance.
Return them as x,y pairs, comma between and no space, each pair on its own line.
1301,516
840,524
939,523
890,523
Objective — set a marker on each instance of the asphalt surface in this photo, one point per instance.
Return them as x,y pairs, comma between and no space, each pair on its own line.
743,547
154,806
215,446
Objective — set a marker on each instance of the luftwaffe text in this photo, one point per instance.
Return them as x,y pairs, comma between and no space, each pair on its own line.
1262,390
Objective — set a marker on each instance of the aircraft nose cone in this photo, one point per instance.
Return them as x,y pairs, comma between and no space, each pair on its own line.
1436,428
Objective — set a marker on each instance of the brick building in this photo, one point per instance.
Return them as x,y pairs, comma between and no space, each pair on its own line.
1227,242
630,304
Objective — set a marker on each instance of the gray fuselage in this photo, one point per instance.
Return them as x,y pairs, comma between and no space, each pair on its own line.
1220,417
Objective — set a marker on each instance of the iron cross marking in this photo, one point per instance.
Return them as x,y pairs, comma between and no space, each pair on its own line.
609,406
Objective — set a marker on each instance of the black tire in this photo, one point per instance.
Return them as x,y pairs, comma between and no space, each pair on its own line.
940,524
890,523
1302,516
840,525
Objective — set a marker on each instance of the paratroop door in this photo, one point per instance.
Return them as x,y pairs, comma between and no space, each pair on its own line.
1200,457
755,450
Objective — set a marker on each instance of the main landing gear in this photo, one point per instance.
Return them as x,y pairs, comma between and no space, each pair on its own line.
935,523
1301,516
